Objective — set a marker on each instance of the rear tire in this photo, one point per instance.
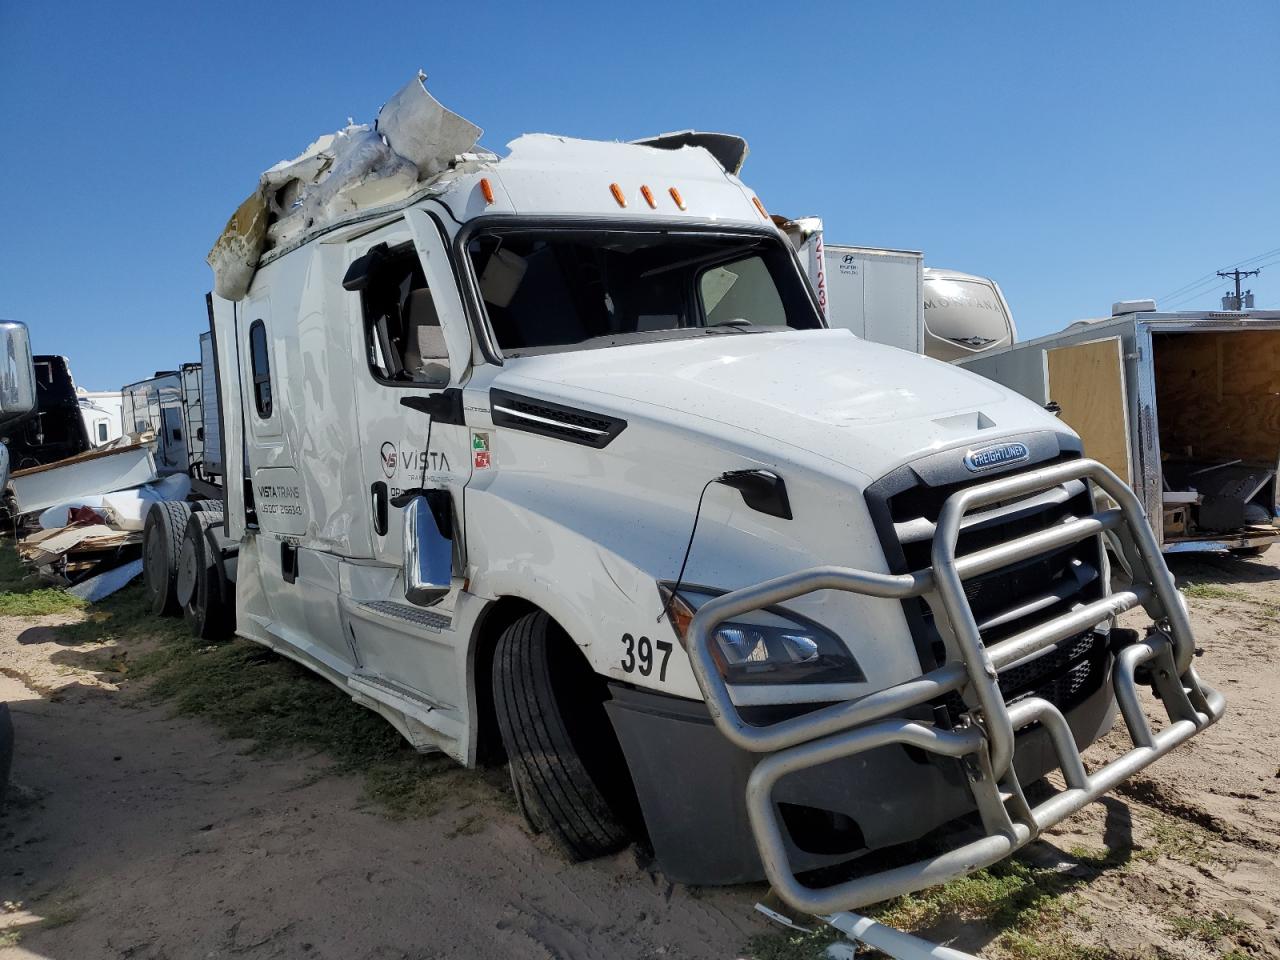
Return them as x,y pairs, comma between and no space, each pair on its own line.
161,542
207,607
561,782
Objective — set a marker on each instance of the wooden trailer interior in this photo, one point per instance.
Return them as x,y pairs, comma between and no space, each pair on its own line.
1218,415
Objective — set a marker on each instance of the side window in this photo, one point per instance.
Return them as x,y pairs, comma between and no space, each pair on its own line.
261,368
403,337
102,431
742,290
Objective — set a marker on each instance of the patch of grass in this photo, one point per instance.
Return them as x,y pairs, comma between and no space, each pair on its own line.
1179,839
1217,926
791,944
278,705
1024,904
10,937
1212,591
24,595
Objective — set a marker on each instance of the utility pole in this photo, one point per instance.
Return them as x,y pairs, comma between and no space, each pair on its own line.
1233,303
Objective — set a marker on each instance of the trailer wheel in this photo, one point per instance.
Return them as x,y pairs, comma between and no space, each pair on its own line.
206,607
565,763
207,506
1251,552
161,542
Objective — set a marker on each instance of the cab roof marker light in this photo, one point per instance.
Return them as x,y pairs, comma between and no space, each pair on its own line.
760,206
486,188
675,195
618,194
648,196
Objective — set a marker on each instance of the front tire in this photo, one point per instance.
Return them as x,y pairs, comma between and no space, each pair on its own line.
565,762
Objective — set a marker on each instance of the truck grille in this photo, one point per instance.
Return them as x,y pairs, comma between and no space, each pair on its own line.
1011,599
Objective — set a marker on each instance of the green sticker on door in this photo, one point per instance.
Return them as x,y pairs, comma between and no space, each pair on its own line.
480,457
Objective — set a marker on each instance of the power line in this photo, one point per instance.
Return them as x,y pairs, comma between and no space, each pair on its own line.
1211,277
1204,288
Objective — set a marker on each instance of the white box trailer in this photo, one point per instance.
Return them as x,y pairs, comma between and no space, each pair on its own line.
877,293
1184,406
553,453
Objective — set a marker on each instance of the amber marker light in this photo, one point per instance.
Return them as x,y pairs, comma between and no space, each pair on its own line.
618,194
486,188
675,195
648,197
760,206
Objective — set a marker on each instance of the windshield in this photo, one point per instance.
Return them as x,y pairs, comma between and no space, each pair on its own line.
546,290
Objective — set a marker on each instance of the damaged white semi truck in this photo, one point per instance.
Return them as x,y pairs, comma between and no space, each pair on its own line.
551,457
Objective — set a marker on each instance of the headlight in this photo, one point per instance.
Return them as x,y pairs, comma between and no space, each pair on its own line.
766,646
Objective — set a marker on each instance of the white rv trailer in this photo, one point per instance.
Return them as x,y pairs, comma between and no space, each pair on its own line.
103,414
553,452
155,405
1182,406
964,315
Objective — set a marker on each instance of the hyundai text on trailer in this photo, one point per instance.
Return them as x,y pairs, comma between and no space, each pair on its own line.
553,455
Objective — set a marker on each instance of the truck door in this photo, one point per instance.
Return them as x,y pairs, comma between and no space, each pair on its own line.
1087,381
412,344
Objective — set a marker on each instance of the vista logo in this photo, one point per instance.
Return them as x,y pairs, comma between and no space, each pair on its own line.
390,459
996,455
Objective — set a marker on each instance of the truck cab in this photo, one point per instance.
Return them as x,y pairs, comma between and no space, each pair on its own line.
553,457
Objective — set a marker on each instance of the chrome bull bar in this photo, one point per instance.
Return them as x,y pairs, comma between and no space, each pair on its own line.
851,727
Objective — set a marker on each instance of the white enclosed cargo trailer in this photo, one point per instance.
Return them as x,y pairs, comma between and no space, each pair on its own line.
553,453
877,293
1185,407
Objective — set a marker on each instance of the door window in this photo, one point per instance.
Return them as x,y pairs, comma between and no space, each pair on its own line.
404,341
261,367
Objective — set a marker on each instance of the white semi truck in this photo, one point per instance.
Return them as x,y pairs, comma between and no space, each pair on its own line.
551,457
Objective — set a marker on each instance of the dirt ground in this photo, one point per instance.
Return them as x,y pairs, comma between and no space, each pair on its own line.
134,833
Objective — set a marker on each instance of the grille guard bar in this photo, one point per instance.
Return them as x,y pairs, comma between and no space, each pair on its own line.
853,726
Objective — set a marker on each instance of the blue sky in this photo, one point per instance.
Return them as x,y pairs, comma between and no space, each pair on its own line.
1079,153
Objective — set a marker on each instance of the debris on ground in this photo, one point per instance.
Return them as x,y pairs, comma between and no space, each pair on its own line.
79,521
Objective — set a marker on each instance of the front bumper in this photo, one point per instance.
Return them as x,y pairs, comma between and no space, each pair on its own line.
986,745
692,786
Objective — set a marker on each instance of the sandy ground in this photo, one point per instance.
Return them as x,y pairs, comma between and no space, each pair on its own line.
134,834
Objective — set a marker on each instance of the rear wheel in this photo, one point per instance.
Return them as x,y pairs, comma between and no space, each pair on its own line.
161,543
566,765
202,586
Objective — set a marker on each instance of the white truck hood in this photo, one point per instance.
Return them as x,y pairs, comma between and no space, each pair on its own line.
865,406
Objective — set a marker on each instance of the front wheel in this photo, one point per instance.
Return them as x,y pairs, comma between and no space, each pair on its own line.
566,765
